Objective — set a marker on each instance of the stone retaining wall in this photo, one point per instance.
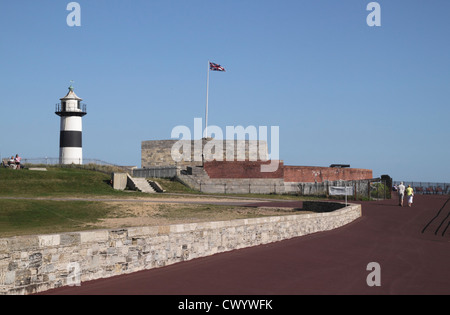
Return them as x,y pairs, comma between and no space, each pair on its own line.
32,264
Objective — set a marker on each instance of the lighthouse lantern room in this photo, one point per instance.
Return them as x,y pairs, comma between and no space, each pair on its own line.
71,111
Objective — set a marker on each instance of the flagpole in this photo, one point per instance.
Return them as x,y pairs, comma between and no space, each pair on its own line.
207,97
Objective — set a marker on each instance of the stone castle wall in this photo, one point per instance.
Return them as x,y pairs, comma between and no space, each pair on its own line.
157,153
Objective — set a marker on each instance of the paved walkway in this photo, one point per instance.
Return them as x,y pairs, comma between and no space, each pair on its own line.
411,245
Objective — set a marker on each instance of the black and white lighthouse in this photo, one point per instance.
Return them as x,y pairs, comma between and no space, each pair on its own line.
71,111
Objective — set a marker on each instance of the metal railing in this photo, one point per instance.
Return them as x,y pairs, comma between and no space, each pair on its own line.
56,161
372,189
427,188
86,163
156,172
60,108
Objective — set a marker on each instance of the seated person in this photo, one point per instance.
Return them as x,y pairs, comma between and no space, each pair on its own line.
17,161
12,162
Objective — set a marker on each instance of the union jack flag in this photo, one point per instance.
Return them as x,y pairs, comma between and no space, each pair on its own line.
216,67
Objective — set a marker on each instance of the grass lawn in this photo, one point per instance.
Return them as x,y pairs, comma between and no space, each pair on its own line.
54,182
31,216
19,217
25,217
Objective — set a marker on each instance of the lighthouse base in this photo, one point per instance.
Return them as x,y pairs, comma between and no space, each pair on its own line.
71,156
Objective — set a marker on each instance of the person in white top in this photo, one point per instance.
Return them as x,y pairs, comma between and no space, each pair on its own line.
401,193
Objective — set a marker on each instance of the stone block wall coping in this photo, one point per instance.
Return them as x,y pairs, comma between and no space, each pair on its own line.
40,262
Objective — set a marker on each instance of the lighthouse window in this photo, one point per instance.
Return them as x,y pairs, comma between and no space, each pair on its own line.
63,106
78,105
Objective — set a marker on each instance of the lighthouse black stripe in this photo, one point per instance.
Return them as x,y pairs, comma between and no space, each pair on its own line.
70,139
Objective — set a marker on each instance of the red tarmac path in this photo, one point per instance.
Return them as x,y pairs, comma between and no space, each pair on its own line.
412,246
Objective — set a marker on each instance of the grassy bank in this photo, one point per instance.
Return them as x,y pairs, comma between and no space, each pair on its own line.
25,217
55,182
33,216
19,217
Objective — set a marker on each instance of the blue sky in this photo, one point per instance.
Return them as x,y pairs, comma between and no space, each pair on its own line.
339,90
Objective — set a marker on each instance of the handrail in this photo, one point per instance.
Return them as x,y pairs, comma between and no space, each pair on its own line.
70,109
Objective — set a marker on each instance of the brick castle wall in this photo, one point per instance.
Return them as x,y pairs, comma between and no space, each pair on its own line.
311,174
302,174
244,169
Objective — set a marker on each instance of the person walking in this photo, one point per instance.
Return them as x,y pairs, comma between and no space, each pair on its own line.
401,194
410,194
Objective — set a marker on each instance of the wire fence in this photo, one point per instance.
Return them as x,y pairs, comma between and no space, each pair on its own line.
92,164
373,189
56,161
366,189
426,188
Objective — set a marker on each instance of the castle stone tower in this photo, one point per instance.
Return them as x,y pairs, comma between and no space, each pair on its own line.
71,111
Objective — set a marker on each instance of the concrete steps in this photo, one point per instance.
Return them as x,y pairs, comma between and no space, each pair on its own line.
199,174
156,186
194,177
140,184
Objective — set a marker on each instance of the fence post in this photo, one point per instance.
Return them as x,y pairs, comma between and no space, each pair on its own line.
378,191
